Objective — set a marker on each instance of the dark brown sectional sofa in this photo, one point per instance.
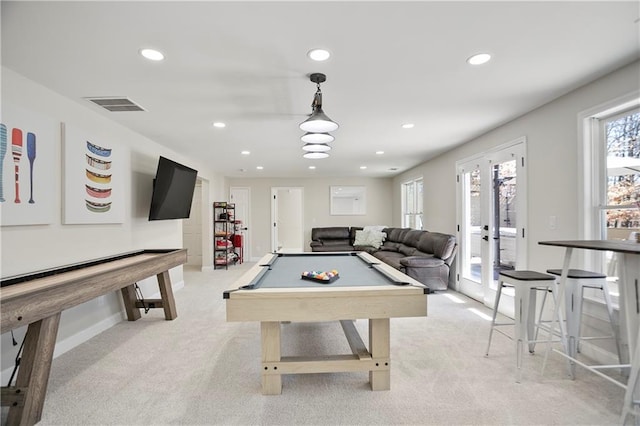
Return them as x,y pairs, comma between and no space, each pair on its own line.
423,255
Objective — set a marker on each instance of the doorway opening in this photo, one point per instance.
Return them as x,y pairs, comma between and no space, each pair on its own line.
287,209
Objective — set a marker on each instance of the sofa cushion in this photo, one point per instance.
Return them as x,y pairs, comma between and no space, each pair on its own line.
392,234
421,261
396,234
333,243
390,258
412,237
440,245
407,250
390,246
368,249
330,233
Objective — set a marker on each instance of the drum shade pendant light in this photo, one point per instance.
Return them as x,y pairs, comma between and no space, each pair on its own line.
318,122
318,125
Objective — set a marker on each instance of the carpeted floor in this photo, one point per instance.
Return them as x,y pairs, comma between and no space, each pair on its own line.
200,369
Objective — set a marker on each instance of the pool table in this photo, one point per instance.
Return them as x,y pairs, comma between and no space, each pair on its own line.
273,292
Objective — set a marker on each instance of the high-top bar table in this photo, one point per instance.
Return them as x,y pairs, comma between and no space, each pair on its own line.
628,256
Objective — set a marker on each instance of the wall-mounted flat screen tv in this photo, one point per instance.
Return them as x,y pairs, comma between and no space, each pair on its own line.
172,191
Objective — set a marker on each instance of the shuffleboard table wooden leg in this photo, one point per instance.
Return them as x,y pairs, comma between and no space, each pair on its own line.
166,292
270,339
129,298
35,367
379,347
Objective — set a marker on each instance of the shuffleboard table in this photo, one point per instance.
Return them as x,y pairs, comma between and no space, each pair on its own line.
37,300
273,292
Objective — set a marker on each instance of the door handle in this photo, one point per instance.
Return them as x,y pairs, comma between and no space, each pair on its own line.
486,238
485,227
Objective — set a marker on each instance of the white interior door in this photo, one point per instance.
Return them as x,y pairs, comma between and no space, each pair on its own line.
492,220
287,219
241,198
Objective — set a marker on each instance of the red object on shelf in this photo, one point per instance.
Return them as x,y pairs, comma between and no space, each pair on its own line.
237,243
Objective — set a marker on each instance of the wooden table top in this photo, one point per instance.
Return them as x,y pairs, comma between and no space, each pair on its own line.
618,246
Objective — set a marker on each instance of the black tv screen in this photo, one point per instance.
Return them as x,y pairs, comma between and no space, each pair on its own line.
172,191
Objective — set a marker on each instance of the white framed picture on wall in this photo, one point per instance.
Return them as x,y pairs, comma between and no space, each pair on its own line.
28,165
95,177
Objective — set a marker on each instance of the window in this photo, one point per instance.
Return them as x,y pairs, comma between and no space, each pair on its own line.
611,179
619,201
412,204
620,204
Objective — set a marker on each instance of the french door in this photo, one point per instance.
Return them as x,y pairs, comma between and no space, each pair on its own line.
491,219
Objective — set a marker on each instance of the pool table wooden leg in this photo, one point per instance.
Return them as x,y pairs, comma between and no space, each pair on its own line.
379,347
270,338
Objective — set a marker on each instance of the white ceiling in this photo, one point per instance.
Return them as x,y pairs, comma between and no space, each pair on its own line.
245,63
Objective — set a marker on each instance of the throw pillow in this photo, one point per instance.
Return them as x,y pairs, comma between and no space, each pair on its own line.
369,238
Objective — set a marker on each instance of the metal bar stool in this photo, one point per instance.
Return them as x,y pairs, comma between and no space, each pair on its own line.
526,285
577,281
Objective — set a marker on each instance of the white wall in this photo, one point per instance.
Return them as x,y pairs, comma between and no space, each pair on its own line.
30,248
316,206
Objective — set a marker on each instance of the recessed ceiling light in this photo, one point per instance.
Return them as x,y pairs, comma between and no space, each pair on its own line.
152,54
363,167
319,54
312,167
408,126
479,59
379,152
219,124
259,167
245,152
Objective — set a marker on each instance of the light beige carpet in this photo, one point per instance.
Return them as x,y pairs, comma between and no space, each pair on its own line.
199,369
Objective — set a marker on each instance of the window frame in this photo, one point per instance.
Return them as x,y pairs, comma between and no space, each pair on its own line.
603,199
413,216
592,159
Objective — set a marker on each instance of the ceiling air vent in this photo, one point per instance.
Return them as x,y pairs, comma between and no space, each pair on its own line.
116,104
